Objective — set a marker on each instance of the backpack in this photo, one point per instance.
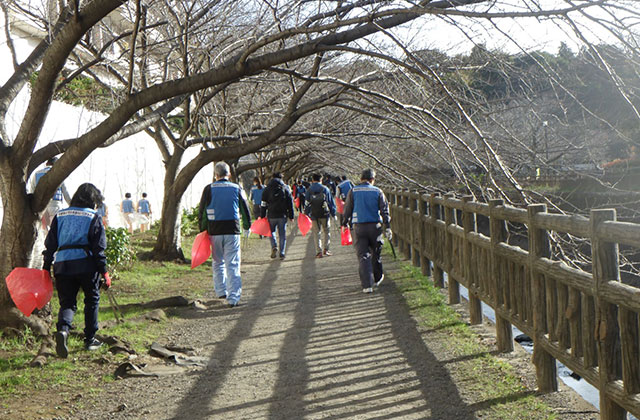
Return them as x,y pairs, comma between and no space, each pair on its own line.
278,199
318,204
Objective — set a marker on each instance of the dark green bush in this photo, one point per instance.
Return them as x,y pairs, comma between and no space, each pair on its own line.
119,252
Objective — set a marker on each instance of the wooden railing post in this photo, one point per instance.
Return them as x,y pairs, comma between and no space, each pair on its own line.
605,268
415,230
453,286
539,246
406,240
425,264
498,233
469,225
438,274
396,219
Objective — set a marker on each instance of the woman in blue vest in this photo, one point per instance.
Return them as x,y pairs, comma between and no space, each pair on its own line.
367,209
75,247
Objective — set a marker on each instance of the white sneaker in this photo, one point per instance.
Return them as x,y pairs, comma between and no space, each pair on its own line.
367,290
379,281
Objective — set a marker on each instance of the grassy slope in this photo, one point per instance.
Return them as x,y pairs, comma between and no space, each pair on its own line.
481,376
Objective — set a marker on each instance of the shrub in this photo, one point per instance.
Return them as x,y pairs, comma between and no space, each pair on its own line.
119,252
189,223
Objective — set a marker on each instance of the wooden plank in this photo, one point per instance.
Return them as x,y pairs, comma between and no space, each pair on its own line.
539,246
561,272
574,224
621,232
605,267
589,350
573,315
512,214
630,350
504,334
449,249
468,226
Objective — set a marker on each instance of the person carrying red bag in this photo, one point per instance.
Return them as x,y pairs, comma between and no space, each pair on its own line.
367,210
75,248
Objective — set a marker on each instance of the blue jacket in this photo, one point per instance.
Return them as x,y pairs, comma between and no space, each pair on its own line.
143,206
315,188
75,243
256,194
57,196
127,206
366,204
343,189
222,205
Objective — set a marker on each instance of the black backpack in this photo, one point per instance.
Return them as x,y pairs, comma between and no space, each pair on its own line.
318,204
278,199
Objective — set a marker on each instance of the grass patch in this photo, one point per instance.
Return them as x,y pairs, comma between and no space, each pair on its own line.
61,378
495,387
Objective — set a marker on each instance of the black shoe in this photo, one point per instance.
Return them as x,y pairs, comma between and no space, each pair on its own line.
233,305
61,344
222,297
92,344
274,252
281,257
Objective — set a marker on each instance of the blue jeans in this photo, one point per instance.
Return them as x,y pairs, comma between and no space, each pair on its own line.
281,225
226,266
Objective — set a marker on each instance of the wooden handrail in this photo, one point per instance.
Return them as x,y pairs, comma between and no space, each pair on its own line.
589,321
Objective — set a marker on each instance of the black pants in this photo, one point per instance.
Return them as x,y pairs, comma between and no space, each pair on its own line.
68,287
367,239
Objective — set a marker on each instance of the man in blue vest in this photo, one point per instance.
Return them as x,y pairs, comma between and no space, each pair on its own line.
222,205
367,210
56,201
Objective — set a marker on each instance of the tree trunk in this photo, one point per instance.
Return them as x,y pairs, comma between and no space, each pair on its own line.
17,236
168,245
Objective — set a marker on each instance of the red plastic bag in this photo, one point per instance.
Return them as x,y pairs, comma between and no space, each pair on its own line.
201,249
29,288
297,202
345,236
304,224
261,227
340,205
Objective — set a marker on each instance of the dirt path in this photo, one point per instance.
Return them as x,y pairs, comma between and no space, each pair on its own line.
305,343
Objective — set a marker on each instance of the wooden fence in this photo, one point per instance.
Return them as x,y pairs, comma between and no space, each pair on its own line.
586,320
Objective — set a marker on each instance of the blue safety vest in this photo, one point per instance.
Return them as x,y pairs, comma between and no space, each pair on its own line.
143,206
57,196
256,194
345,187
225,201
127,206
366,204
73,233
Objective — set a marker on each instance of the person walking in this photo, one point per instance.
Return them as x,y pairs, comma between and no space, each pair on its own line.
320,206
56,202
126,207
277,206
75,248
144,208
367,210
222,205
301,192
256,197
103,212
343,189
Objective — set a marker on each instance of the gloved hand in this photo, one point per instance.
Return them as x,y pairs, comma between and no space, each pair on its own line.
105,283
388,234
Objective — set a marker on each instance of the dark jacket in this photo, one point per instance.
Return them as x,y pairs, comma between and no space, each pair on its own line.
274,208
95,260
315,188
230,226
